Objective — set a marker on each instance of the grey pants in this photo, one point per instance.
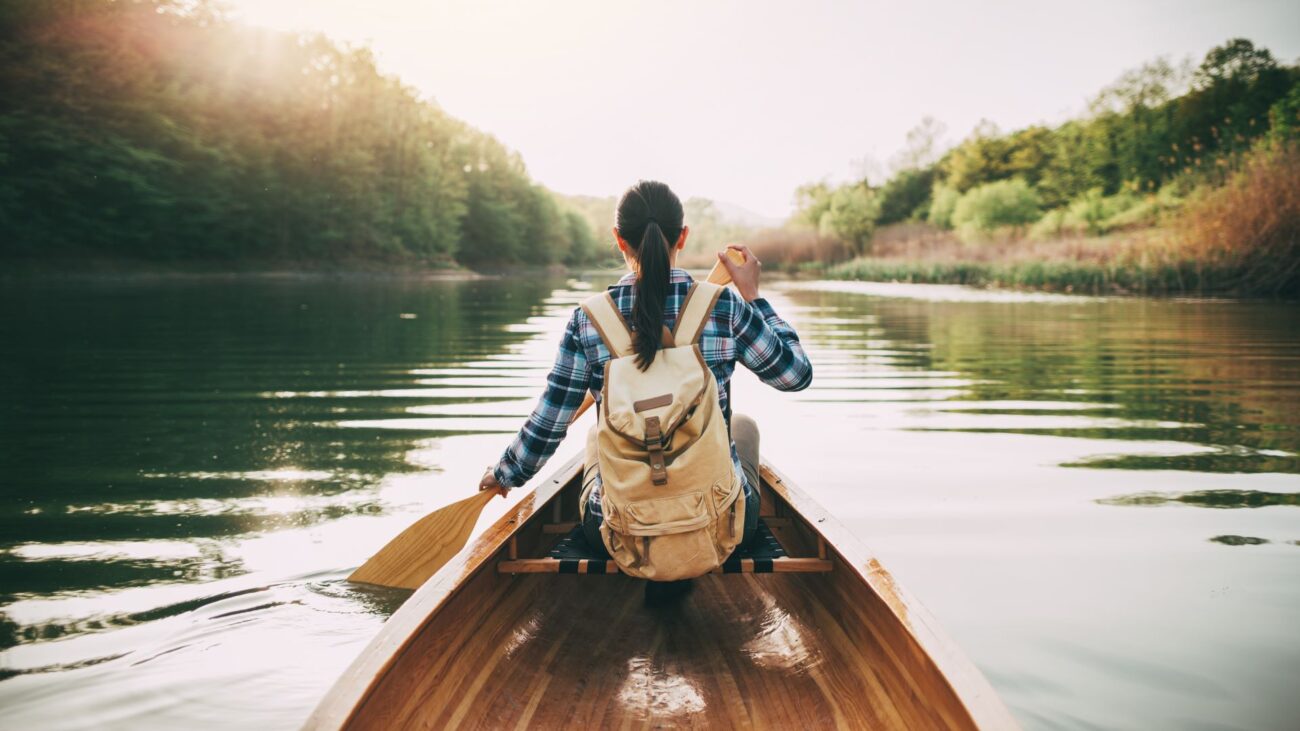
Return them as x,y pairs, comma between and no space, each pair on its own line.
744,432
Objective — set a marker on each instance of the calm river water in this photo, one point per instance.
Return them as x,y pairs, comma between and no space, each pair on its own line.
1098,498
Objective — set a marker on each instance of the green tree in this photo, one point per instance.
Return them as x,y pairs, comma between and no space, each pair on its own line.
812,200
1284,116
906,195
851,216
943,201
980,158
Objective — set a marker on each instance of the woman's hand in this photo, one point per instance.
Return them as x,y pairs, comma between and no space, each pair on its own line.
744,276
489,482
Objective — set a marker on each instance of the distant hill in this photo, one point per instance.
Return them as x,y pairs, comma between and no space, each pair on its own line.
741,216
713,225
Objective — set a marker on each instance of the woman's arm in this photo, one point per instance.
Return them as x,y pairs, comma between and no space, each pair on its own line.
768,346
548,424
765,343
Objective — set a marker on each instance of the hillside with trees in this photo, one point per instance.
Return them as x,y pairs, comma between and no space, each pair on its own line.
159,131
1162,147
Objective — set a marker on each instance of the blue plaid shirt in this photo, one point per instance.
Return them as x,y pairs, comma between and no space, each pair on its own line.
750,332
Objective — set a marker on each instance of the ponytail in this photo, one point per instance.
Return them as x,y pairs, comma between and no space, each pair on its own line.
651,292
649,218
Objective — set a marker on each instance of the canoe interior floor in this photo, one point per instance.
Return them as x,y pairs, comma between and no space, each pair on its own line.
740,651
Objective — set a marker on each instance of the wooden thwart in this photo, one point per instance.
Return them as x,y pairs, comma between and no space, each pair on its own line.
783,565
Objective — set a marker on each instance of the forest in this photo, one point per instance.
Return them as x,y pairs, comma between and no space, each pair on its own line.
159,131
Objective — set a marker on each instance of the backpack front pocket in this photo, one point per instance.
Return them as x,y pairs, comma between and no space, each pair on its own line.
666,515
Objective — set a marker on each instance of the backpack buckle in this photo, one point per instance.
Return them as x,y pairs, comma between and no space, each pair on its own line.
654,444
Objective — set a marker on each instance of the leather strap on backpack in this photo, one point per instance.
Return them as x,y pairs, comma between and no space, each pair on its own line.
695,312
654,444
609,322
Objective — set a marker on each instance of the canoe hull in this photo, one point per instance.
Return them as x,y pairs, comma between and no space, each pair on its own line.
482,649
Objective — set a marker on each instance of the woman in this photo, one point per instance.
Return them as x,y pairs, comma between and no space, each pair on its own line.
742,327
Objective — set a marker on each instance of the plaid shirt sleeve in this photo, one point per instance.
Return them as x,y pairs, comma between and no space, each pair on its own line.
566,386
768,346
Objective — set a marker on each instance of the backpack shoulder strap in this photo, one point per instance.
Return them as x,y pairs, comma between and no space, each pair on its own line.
695,312
609,323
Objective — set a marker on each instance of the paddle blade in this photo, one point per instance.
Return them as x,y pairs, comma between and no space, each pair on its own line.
419,551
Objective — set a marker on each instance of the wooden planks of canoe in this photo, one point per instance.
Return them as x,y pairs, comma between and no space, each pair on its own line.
480,647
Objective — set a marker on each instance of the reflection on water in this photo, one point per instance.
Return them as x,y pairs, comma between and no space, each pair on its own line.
1210,499
1038,471
190,468
1239,540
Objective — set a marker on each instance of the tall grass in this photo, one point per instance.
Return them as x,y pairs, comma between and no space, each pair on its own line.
1247,231
1065,275
794,248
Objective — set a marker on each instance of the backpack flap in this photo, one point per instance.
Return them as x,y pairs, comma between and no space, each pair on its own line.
667,392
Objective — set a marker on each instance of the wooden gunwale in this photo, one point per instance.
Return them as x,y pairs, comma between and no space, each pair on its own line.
934,684
981,701
350,690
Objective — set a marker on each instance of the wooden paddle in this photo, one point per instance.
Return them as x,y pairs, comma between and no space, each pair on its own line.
418,552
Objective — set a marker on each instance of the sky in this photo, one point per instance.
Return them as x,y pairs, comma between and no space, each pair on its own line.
742,102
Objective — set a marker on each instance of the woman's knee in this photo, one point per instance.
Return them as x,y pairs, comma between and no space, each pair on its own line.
743,427
744,432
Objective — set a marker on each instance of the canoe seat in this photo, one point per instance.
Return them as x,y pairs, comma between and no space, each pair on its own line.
574,555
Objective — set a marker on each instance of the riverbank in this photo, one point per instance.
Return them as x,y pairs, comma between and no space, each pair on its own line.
113,268
1145,262
147,275
1132,262
1054,276
1236,237
82,262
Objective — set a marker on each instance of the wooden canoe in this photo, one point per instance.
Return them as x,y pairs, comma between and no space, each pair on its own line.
500,638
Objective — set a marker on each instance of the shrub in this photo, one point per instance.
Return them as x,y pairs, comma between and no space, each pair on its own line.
1091,211
986,208
1146,211
1050,226
943,201
1095,214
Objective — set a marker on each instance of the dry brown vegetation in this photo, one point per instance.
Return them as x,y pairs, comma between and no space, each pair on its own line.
782,248
1249,228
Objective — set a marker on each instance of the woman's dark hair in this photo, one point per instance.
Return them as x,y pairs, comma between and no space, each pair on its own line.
649,219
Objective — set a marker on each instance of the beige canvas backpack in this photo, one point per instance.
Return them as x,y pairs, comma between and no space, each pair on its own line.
670,493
